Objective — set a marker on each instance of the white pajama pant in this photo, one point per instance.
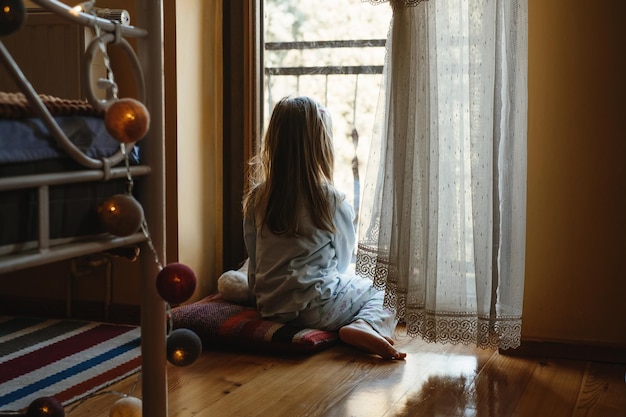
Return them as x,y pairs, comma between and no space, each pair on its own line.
354,298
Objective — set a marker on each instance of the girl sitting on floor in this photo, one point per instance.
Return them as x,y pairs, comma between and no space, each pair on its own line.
299,234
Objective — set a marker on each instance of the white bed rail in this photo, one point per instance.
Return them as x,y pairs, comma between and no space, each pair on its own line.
46,250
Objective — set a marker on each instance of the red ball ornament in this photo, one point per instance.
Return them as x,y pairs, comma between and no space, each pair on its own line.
176,283
127,120
45,407
121,215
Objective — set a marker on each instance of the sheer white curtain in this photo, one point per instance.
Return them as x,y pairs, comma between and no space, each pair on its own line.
442,222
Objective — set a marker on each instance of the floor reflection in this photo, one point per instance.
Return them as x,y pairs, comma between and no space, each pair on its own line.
443,396
452,389
430,384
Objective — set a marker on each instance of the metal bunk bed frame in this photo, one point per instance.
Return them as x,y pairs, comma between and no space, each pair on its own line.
153,320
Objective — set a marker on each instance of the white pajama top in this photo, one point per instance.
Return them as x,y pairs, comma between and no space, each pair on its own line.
287,275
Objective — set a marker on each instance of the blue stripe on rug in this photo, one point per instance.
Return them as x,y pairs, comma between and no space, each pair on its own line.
53,379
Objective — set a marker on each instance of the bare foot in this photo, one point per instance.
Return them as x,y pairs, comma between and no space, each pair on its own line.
361,335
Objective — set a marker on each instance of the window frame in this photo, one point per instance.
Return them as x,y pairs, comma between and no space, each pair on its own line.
242,54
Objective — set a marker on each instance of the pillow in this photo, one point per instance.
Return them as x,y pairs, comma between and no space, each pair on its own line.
220,323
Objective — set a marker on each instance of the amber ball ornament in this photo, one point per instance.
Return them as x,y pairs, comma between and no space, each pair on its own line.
121,215
127,120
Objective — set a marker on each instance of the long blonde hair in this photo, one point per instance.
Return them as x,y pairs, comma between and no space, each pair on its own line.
294,166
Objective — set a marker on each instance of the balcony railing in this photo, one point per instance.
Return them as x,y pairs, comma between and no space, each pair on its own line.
325,70
348,94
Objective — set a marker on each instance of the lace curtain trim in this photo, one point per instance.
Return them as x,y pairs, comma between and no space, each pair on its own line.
438,327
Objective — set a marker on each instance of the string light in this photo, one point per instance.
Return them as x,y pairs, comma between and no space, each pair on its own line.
108,83
84,7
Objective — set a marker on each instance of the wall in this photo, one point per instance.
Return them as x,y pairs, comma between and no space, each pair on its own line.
199,139
575,287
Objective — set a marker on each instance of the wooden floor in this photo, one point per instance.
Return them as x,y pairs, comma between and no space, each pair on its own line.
435,380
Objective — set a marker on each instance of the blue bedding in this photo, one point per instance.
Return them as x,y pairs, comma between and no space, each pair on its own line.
28,140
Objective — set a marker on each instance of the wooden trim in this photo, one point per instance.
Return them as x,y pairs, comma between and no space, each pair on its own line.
241,116
567,350
171,129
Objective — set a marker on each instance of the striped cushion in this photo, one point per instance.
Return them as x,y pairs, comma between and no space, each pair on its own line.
222,324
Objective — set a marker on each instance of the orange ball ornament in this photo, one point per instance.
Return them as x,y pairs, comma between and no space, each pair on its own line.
121,215
127,120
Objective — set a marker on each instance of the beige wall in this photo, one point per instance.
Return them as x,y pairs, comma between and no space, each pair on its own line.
193,71
575,287
199,139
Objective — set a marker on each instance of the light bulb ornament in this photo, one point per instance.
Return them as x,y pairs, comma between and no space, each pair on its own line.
45,407
176,283
127,120
12,16
126,407
85,7
121,215
183,347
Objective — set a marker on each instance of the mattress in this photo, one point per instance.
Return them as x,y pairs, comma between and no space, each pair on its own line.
27,147
28,140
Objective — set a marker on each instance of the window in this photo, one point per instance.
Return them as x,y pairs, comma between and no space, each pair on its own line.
299,35
334,52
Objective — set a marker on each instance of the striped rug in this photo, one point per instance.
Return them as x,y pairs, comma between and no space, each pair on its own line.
64,359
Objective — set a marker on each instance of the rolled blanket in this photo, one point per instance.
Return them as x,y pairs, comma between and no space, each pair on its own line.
233,286
17,106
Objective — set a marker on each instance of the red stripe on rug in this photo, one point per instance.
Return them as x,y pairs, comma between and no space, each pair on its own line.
61,349
105,379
